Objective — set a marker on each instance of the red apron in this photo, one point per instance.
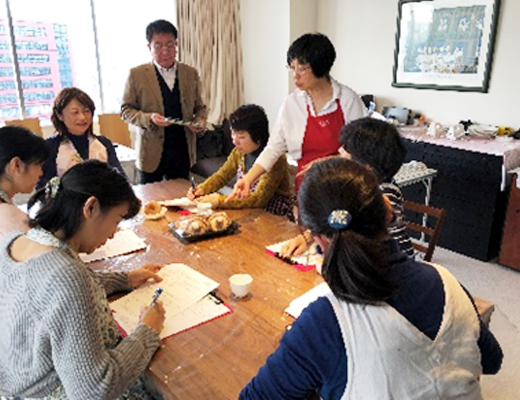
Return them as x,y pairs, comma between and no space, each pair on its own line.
321,138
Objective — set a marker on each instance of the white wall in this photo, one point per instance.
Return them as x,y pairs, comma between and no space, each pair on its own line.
363,33
303,17
268,29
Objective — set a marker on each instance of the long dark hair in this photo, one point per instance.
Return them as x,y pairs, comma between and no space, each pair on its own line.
64,211
355,264
17,141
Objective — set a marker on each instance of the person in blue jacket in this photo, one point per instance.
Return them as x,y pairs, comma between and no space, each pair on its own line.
75,141
391,327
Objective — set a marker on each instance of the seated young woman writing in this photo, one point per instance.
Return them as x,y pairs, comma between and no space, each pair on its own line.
22,155
272,191
59,338
392,327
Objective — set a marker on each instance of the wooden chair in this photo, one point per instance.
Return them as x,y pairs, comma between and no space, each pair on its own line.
114,128
428,226
33,124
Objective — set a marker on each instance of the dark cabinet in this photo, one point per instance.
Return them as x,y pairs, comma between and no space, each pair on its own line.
467,186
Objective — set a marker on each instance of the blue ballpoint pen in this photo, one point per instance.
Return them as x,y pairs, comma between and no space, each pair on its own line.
156,296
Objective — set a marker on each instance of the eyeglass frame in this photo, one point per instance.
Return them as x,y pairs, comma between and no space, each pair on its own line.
157,47
300,70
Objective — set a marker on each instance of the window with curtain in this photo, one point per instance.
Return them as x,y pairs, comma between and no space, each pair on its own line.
90,44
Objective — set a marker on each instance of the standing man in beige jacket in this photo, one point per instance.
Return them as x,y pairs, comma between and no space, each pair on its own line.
163,88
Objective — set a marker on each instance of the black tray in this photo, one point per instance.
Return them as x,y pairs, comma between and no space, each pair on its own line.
179,234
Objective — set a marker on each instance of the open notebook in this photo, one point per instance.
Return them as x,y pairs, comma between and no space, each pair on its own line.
186,298
123,242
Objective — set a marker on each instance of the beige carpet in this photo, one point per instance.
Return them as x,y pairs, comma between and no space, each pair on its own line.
501,286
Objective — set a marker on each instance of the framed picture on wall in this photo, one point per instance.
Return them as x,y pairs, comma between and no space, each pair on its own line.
445,44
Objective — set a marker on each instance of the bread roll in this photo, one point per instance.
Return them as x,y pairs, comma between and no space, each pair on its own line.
152,208
219,221
193,225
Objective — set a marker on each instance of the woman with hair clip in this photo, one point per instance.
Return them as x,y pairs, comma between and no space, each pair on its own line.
59,338
391,327
75,141
22,154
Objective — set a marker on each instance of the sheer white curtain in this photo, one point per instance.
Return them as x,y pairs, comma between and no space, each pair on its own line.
209,40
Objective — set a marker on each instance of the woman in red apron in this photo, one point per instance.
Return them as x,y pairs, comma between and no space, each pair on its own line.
321,138
310,118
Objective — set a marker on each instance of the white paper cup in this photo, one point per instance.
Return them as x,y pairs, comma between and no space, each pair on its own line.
240,284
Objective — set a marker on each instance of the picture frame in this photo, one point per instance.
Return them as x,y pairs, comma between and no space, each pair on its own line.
445,44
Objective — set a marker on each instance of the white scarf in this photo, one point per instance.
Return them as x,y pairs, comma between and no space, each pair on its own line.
68,156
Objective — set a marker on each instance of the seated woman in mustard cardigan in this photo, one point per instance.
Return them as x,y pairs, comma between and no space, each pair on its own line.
272,191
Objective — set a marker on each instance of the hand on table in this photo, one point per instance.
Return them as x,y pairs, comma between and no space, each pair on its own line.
192,195
209,198
294,247
147,272
241,190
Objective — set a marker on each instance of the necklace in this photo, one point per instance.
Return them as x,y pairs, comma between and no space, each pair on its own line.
44,237
5,197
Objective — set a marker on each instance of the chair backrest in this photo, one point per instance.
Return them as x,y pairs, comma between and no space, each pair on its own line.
114,128
426,221
33,124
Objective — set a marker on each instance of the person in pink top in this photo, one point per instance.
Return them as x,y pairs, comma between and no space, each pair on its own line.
310,118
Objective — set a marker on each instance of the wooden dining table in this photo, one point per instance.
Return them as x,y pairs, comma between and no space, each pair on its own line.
217,359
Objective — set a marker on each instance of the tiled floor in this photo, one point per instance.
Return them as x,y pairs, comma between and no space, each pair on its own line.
501,286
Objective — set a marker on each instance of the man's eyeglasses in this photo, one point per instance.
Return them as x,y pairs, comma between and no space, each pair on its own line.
300,70
157,47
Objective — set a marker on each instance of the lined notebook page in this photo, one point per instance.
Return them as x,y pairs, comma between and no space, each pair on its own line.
182,288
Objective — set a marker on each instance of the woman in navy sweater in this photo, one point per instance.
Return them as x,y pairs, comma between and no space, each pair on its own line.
392,327
72,117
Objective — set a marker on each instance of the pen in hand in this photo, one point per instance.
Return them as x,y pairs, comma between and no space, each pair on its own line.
156,296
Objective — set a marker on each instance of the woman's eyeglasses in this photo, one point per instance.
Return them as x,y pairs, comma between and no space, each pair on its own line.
300,70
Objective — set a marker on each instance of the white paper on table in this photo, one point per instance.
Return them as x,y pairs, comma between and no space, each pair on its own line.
300,303
182,288
182,202
124,241
203,311
308,257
